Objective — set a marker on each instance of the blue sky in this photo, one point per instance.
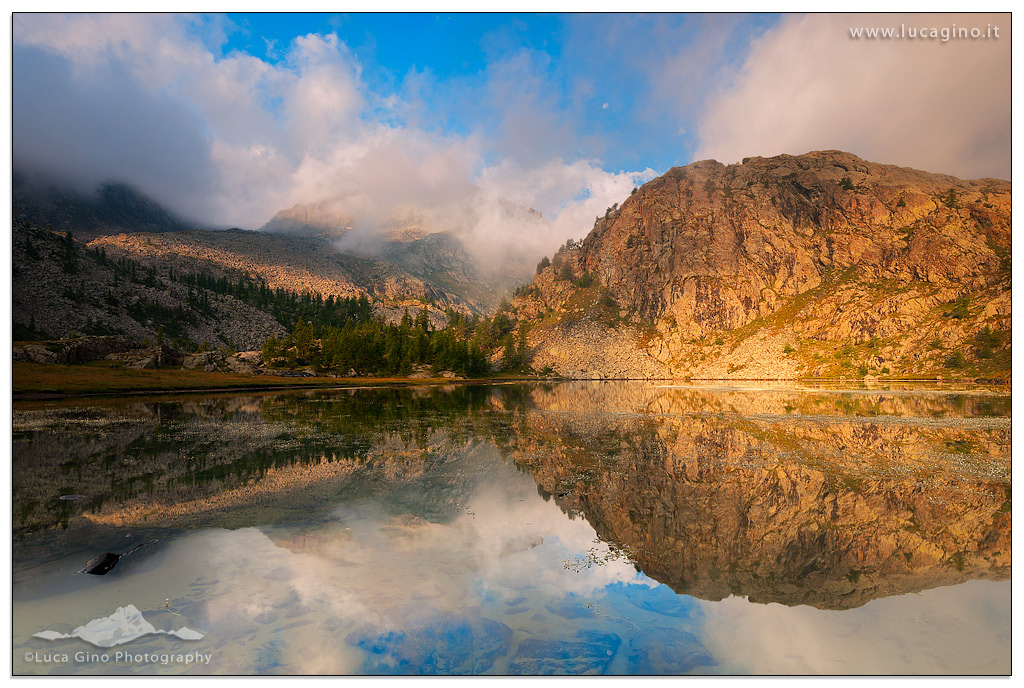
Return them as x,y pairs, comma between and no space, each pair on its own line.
583,63
229,118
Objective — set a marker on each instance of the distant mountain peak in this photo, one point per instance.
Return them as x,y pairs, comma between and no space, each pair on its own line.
323,218
475,246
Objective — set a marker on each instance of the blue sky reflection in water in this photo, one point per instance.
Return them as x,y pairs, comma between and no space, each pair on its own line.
452,560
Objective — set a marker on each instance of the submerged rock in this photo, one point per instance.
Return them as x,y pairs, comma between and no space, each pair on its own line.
666,651
450,645
570,608
562,657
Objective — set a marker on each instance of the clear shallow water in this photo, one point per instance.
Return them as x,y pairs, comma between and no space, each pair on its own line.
618,528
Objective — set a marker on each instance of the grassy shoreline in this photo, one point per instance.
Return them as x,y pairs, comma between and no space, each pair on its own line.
39,382
36,381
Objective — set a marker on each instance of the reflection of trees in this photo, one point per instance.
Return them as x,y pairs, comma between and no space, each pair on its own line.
172,451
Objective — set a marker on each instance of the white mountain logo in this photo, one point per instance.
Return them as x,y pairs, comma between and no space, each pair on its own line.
123,626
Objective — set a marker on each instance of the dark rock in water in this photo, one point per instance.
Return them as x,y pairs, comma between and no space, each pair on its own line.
666,651
561,657
452,645
101,564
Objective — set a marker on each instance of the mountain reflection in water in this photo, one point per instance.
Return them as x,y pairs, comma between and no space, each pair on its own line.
523,528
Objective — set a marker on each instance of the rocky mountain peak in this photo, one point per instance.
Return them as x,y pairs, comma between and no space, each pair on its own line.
822,248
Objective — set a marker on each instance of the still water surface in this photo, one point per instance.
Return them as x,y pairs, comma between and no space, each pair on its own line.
598,528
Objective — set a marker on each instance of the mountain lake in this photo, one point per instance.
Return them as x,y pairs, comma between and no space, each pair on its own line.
644,528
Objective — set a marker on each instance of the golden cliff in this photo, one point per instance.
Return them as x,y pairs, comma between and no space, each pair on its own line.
819,265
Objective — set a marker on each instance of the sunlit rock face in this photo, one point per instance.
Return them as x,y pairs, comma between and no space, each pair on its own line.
861,498
765,269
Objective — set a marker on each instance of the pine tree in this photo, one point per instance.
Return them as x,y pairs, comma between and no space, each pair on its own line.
508,355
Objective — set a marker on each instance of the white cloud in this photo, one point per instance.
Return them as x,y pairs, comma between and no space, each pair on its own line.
231,139
393,573
321,99
807,85
577,191
959,629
